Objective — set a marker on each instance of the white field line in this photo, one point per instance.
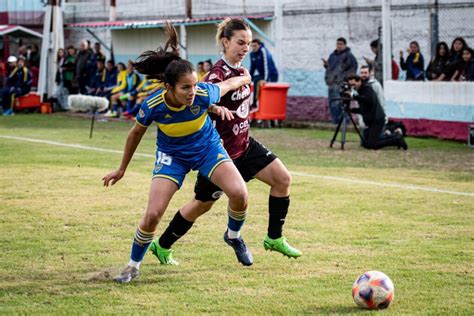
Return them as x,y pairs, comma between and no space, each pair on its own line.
296,173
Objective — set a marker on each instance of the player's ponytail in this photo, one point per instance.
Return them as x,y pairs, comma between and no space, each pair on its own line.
165,63
226,29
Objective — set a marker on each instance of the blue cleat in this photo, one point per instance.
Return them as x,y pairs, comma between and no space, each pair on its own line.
8,112
244,256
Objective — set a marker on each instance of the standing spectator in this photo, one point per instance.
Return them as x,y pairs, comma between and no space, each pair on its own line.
465,67
457,47
33,62
262,66
3,71
18,83
340,64
200,71
61,92
438,64
377,62
97,54
83,59
68,69
414,64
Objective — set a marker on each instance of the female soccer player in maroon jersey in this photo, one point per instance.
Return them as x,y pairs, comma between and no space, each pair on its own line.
253,160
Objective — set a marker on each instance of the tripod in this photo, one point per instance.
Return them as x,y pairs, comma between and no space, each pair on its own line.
343,122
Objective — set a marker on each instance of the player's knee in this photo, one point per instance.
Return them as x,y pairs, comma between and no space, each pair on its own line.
238,195
284,180
152,217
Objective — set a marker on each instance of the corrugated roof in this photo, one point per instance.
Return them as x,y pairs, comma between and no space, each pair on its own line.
120,25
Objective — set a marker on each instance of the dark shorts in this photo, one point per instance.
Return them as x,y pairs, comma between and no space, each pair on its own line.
256,158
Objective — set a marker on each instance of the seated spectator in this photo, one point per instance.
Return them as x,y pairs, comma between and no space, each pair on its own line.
200,71
146,88
97,81
414,64
111,78
131,83
18,83
465,67
439,63
120,85
455,53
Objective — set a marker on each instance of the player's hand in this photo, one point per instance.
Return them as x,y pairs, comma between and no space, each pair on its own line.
222,111
325,62
401,53
113,177
247,74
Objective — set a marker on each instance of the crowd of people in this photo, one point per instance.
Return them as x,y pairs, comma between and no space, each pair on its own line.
454,64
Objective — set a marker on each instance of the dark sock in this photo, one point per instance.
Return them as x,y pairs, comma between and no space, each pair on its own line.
278,208
177,228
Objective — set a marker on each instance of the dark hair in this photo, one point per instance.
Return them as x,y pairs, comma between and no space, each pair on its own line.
375,43
353,77
201,63
57,54
121,64
111,61
365,67
417,45
208,61
226,28
342,39
446,48
256,40
464,45
164,65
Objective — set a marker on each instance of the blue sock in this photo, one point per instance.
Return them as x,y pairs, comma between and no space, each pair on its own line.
141,241
235,222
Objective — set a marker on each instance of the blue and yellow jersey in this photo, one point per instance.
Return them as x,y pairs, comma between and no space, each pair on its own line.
121,82
185,132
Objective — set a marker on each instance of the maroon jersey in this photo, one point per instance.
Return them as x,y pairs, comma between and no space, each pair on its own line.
234,133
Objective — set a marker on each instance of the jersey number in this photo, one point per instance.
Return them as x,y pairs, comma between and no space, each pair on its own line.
164,159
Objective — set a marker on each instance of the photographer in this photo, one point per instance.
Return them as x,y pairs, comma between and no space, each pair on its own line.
373,115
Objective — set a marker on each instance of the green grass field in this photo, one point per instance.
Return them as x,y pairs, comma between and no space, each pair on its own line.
63,235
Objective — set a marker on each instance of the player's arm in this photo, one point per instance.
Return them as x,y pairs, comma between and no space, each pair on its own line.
234,82
134,137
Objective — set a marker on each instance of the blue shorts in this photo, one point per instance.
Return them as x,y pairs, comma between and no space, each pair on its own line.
175,168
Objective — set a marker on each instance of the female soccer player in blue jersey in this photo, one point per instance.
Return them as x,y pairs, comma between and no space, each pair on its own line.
186,140
253,160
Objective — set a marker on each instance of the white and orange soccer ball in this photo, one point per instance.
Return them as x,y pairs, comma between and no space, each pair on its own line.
373,290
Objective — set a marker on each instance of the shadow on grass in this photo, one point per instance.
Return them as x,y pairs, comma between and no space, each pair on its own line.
334,310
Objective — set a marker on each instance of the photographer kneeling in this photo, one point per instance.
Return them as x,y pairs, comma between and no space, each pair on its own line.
373,115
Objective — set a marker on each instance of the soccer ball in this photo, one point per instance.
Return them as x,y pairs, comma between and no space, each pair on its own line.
373,290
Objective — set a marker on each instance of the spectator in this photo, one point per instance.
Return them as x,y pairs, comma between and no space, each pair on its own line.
200,71
18,83
146,88
262,66
97,54
122,96
111,78
457,47
207,66
374,117
3,71
465,67
68,70
438,64
33,62
82,62
61,92
373,83
117,90
414,64
340,64
377,62
98,80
